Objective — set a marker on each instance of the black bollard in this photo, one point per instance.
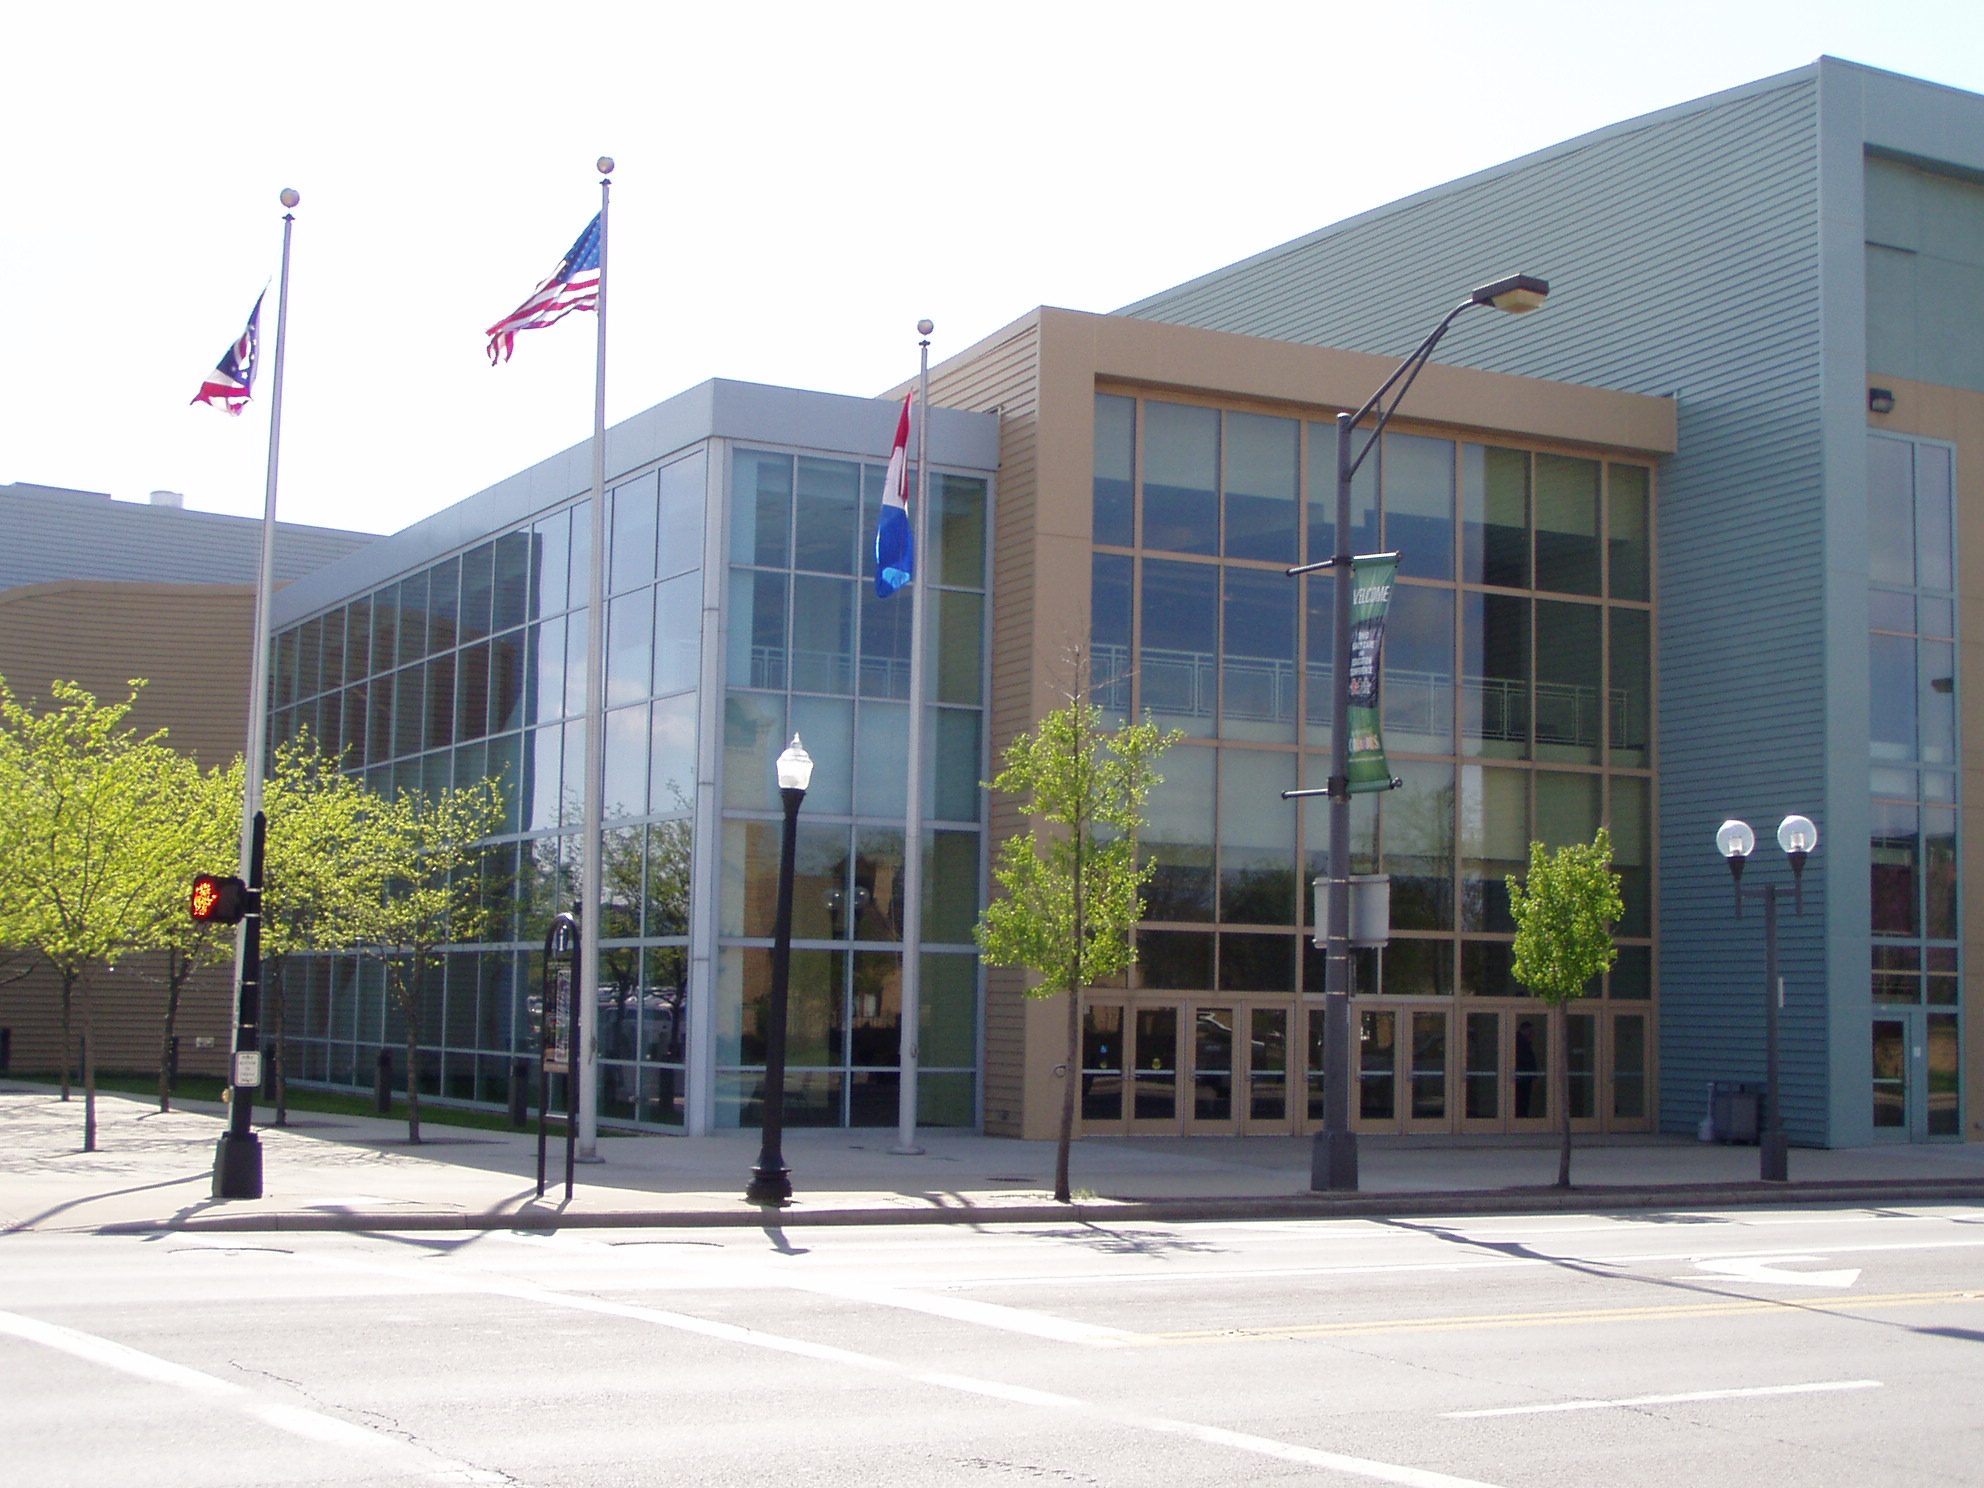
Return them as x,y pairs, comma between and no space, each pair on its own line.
382,1084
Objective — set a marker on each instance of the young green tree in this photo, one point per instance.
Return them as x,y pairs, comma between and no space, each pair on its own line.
93,828
319,867
1069,894
425,853
209,822
1564,916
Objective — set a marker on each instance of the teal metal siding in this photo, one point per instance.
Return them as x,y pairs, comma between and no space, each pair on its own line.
1683,254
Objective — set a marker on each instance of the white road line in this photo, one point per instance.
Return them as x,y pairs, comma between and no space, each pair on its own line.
1384,1472
295,1419
720,1270
1581,1405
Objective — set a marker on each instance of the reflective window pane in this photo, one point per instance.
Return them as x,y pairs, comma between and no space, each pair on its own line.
1494,500
1891,677
753,735
1568,710
1494,707
1178,837
1322,495
1567,524
957,529
885,632
1494,842
1115,469
1181,478
761,509
826,725
1629,706
682,491
1257,662
1110,599
1261,487
1177,661
678,626
1417,680
757,628
1933,532
631,547
1419,504
551,541
629,647
1632,851
672,754
1419,845
1256,838
1629,539
960,646
822,634
827,510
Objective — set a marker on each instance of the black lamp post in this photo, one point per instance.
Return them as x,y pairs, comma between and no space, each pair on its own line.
1735,841
1333,1162
771,1180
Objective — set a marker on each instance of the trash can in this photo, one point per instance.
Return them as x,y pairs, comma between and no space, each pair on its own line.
1735,1112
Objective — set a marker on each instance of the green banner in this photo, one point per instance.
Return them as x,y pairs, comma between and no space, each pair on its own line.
1370,597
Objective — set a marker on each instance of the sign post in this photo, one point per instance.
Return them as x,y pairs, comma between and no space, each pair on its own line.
558,1028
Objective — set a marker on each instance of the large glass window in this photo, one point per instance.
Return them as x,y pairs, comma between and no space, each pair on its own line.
1261,487
1115,469
1181,478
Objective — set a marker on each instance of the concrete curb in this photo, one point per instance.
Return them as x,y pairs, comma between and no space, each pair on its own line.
1147,1211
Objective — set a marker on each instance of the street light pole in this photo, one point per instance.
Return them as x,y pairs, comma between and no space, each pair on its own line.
1333,1160
1797,836
771,1180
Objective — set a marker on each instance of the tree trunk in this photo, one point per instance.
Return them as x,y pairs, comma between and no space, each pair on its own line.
413,1069
68,1031
1562,1080
278,1070
89,1071
1062,1193
178,967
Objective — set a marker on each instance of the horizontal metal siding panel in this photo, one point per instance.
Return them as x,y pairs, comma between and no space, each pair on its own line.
1684,260
1005,378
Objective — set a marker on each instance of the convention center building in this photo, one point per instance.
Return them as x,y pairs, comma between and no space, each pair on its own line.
1686,544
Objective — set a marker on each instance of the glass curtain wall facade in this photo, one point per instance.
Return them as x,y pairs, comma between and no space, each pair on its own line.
473,667
1915,887
813,651
1518,697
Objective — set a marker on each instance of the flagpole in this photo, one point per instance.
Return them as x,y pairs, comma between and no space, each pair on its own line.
238,1154
590,894
912,842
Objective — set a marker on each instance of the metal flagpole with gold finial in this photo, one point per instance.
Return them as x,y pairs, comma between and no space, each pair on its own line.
238,1154
910,1057
586,1065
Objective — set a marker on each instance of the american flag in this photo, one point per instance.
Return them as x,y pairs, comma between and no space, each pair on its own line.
229,384
573,285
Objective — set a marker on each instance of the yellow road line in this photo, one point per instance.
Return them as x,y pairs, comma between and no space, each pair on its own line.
1725,1308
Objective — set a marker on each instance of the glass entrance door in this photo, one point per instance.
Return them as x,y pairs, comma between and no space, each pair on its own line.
1915,1076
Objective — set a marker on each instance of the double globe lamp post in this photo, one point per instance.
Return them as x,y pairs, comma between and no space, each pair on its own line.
771,1180
1735,841
1333,1162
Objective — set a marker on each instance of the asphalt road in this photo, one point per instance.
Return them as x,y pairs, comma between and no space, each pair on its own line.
1752,1348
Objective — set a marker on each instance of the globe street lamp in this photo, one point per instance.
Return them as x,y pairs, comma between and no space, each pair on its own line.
1333,1162
771,1180
1735,841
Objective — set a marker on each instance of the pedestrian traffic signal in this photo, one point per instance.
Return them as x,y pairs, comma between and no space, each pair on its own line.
218,900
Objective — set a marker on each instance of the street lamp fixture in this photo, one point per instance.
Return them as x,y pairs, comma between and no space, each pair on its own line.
1735,841
771,1180
1333,1160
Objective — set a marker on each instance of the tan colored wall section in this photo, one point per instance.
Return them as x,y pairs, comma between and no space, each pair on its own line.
129,1014
191,641
1957,415
1040,374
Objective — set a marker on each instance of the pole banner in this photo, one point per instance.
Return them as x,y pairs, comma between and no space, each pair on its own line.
1370,598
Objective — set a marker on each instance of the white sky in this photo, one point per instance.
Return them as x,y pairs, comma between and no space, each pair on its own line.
797,184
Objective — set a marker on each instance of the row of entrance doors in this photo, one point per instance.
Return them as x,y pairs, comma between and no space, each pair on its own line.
1228,1066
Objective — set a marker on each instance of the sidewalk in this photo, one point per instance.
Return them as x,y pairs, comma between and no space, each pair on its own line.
153,1172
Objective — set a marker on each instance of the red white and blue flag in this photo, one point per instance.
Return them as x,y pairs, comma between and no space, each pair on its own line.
232,380
894,541
573,285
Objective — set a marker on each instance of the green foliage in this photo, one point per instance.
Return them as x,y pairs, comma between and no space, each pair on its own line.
1070,894
1564,916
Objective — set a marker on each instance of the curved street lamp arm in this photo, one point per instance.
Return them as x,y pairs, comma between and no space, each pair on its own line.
1408,370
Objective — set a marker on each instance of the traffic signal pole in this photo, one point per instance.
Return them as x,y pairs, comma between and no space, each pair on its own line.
238,1154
